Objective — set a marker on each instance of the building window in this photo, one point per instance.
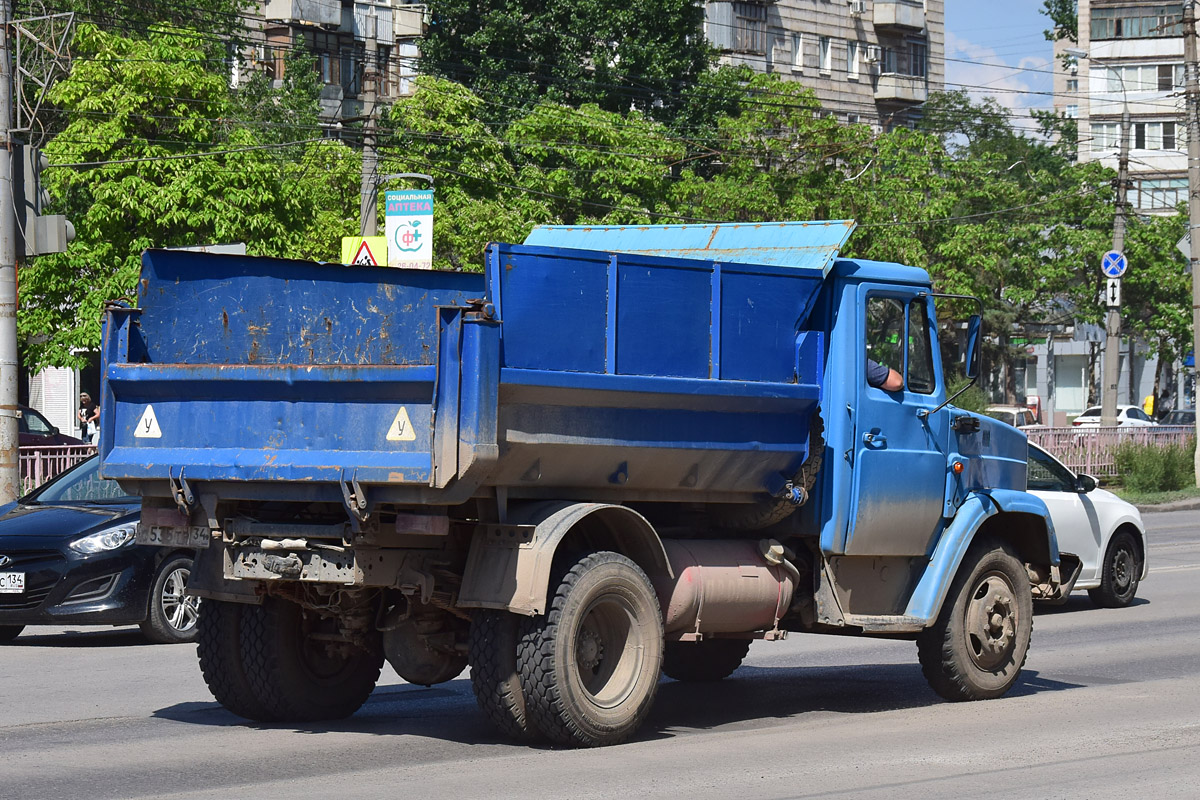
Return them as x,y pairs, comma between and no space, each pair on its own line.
1072,111
826,54
798,51
852,49
1137,22
1144,78
1161,193
1073,84
750,27
1161,135
910,60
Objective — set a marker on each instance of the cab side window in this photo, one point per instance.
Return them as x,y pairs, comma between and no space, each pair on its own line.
920,349
885,332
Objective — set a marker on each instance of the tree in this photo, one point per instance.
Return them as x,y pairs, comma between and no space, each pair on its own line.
618,54
1065,16
152,154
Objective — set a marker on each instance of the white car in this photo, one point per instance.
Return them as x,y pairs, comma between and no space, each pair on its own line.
1104,531
1127,417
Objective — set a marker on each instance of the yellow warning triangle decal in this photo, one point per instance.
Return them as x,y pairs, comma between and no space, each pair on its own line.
402,429
364,257
147,427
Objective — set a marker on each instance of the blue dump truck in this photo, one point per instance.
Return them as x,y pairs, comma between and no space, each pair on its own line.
618,453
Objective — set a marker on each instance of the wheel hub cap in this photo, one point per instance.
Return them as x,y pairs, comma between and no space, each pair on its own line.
991,622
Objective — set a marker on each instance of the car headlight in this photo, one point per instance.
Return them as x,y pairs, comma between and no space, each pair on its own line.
108,539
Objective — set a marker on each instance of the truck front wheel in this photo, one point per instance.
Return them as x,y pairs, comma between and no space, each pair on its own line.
590,665
298,669
977,646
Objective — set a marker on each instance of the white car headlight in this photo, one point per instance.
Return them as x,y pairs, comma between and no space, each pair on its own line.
109,539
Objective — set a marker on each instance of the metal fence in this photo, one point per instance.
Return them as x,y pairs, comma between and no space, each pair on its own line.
1092,450
40,464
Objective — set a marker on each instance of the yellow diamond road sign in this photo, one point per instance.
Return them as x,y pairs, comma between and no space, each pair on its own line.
370,251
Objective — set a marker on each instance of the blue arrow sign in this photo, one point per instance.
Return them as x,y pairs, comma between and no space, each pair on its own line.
1113,264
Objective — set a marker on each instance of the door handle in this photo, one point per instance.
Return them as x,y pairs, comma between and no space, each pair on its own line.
874,438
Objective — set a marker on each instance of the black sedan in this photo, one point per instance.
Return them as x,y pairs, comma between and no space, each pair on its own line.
68,557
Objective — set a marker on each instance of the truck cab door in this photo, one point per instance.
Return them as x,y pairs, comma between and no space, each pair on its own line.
899,449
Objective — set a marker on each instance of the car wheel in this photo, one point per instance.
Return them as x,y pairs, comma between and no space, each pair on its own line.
977,646
590,665
10,632
1120,575
172,614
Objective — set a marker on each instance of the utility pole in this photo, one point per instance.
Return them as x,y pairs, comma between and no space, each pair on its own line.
369,209
1192,92
10,477
1112,323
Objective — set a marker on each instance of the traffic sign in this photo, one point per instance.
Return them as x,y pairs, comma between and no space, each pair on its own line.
1113,293
370,251
1113,264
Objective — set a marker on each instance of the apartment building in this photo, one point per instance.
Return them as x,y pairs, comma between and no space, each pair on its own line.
336,32
1134,59
869,61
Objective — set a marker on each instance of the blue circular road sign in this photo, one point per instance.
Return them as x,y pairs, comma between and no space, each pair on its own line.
1113,264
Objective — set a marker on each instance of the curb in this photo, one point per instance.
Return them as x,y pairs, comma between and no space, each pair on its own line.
1190,504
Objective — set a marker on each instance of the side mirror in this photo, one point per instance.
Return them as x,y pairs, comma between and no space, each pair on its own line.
1086,483
974,331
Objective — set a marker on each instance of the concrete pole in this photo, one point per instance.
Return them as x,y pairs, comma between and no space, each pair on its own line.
10,477
1112,325
369,211
1193,134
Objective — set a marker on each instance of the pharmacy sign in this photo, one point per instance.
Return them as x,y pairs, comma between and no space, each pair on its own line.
409,227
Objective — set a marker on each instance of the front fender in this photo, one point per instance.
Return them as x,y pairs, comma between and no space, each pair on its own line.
979,507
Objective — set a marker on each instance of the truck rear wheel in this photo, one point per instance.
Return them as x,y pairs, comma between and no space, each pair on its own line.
590,665
494,675
706,660
977,646
298,670
218,644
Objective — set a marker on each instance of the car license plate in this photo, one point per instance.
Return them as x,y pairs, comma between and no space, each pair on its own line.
12,582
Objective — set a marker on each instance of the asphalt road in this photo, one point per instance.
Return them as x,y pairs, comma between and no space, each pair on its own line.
1108,706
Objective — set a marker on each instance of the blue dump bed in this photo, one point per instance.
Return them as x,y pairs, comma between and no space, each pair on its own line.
560,372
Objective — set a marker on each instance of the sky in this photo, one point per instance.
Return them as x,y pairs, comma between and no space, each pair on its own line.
996,48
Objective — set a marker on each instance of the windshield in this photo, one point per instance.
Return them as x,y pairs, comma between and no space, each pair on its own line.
81,484
1003,416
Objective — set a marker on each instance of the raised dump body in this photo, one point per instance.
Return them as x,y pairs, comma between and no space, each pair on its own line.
574,472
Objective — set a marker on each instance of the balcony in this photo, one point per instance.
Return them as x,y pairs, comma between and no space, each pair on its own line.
315,12
896,88
409,20
904,14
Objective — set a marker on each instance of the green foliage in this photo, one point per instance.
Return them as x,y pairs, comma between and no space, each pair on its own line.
617,54
126,167
1065,16
1153,468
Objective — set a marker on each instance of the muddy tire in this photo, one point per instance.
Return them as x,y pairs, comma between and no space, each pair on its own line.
1120,574
10,632
297,676
494,676
977,646
589,667
219,647
706,660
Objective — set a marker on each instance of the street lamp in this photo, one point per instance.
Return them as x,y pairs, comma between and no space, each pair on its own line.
1112,323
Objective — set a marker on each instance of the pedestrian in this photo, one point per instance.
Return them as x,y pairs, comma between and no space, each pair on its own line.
89,418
